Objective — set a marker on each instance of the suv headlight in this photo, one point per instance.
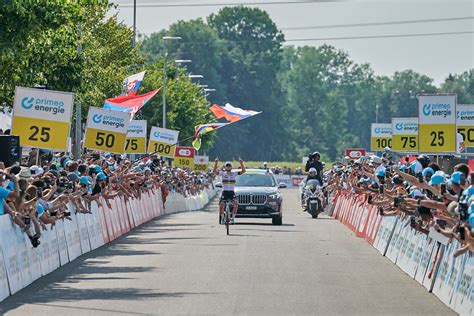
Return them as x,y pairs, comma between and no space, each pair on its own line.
274,196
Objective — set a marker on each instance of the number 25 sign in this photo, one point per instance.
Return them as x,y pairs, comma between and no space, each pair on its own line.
437,123
42,118
106,130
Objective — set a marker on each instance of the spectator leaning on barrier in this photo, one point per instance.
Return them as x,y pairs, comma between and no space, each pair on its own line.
430,198
39,195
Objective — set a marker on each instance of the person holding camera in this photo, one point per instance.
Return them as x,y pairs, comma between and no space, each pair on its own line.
313,162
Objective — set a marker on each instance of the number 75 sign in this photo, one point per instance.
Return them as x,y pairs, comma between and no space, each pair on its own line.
106,130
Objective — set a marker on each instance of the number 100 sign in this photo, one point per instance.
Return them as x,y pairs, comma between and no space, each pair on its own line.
42,118
437,123
106,130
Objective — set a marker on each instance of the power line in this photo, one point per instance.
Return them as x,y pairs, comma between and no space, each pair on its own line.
219,4
329,26
375,36
342,38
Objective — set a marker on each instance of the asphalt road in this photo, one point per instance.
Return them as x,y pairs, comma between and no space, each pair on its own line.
185,264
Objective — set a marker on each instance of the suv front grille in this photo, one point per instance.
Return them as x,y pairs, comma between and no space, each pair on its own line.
246,199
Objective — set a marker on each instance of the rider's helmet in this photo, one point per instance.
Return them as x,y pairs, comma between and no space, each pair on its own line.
312,172
228,165
316,155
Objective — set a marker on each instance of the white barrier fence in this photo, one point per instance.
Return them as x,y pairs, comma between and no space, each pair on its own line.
424,259
20,264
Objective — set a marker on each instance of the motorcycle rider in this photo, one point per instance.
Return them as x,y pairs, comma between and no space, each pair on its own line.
312,175
313,162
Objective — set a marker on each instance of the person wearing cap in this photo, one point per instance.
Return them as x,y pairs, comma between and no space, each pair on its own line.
5,194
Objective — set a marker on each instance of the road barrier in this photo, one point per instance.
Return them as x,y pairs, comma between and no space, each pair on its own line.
20,264
424,259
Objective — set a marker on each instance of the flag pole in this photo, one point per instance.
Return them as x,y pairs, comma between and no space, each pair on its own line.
191,137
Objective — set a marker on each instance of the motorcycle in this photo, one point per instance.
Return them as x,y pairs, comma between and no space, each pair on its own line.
313,198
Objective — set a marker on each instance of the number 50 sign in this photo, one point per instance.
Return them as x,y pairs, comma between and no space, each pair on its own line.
106,130
437,123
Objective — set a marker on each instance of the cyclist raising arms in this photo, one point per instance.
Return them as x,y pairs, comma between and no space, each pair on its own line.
228,186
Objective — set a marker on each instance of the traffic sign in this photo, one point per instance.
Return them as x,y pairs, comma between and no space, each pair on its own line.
201,163
405,134
380,136
355,153
106,130
163,141
437,123
136,137
184,157
465,123
42,118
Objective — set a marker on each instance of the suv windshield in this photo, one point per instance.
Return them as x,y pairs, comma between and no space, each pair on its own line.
255,180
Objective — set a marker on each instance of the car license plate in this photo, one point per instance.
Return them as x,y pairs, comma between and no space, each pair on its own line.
312,201
251,208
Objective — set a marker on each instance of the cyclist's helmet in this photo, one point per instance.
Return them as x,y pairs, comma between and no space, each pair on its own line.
228,164
316,154
424,160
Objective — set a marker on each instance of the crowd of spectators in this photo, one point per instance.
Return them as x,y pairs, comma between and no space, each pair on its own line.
431,198
44,188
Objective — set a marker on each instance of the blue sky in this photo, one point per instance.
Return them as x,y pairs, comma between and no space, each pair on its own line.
435,56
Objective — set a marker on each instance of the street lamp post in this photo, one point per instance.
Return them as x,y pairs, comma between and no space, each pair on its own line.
166,38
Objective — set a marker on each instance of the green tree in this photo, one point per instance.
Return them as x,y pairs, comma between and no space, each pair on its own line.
462,85
199,43
251,61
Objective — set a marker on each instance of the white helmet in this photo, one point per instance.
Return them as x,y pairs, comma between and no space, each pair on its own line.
312,170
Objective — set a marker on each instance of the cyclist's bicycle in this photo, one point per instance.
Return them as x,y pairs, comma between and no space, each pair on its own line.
227,214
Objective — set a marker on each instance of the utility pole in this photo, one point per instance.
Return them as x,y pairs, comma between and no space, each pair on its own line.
165,38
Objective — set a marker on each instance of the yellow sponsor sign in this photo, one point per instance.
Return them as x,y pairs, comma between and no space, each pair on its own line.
437,138
42,118
184,162
201,168
437,123
102,140
184,157
41,133
405,134
379,143
161,149
135,145
405,142
467,133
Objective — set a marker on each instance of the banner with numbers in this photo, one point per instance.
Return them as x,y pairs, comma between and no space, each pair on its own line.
106,130
163,141
405,134
465,123
380,136
437,123
201,163
184,157
42,118
136,137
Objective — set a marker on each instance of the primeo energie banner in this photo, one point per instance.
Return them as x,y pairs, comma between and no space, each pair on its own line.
163,141
380,136
42,118
106,130
465,123
437,123
136,137
405,134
